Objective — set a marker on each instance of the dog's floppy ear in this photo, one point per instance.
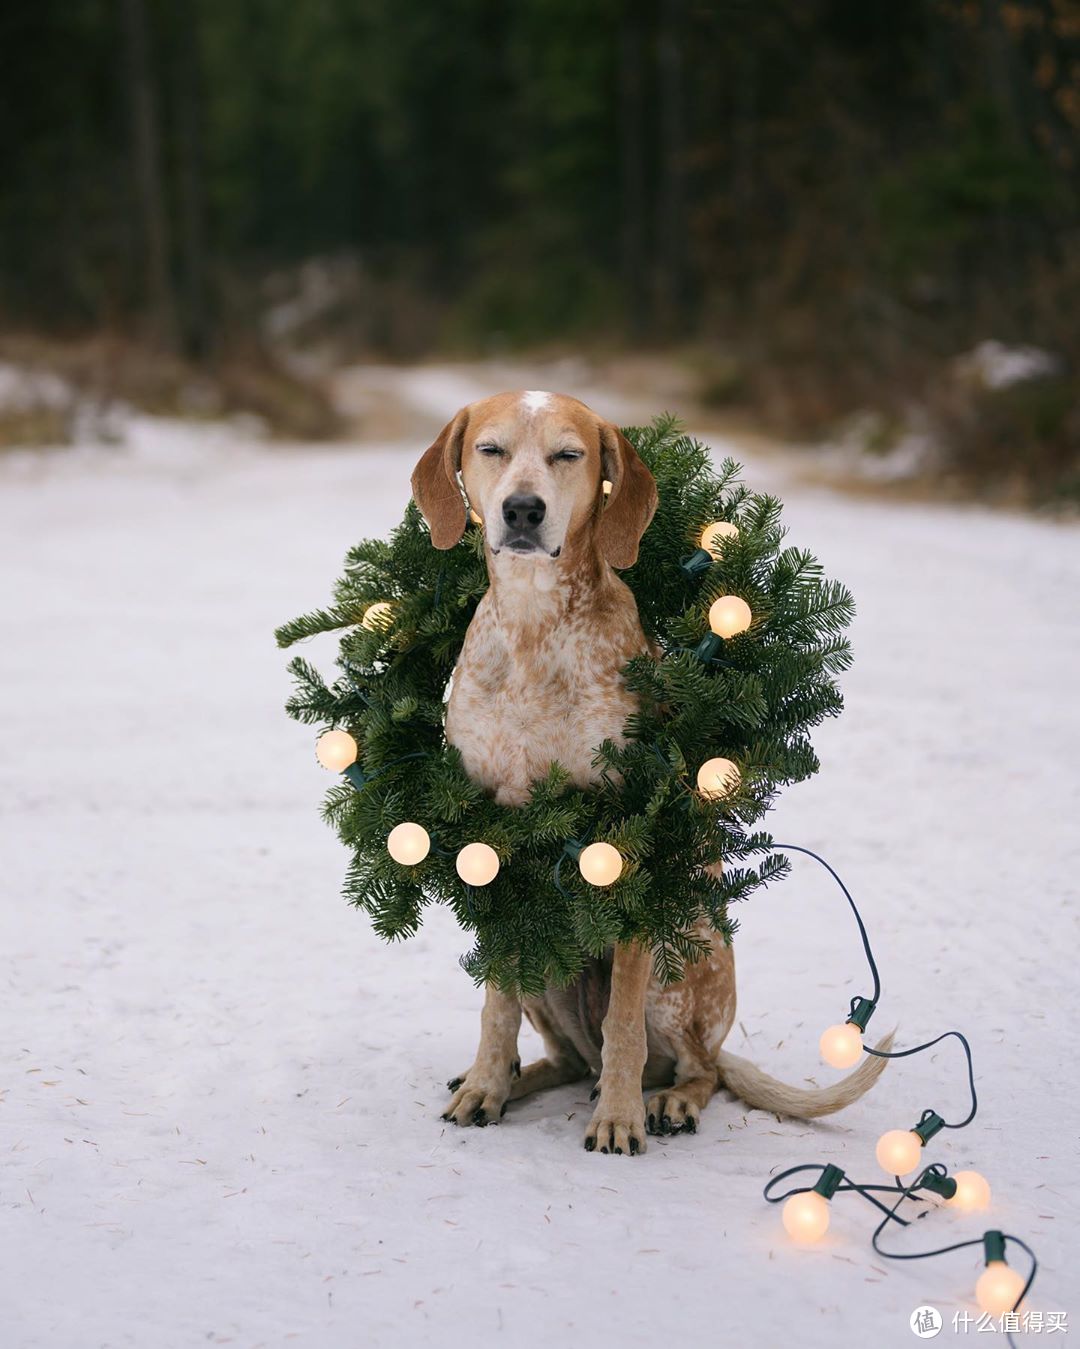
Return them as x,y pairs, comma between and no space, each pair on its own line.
435,486
632,501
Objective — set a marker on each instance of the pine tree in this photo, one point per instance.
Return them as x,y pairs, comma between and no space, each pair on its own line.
752,698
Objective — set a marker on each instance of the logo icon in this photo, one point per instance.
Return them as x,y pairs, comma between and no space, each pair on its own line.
925,1322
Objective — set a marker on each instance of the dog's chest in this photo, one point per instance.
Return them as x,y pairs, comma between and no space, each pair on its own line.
518,704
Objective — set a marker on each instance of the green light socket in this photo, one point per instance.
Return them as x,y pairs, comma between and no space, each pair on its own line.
928,1127
831,1177
572,848
862,1012
356,776
709,648
994,1246
697,564
944,1186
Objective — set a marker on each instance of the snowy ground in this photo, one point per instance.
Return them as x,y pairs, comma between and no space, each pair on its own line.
221,1096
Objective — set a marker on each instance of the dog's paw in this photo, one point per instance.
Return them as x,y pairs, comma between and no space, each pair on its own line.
479,1097
672,1112
616,1126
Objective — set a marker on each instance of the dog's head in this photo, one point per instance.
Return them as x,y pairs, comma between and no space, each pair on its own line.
533,466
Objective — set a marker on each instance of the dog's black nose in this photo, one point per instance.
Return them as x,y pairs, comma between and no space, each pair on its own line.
523,512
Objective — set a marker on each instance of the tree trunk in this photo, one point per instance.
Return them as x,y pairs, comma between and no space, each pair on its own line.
633,168
671,204
146,149
187,74
744,151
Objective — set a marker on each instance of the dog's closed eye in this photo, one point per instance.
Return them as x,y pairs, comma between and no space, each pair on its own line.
492,450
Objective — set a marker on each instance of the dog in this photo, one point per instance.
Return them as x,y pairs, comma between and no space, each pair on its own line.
564,500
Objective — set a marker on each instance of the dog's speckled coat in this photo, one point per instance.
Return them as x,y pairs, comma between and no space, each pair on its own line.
539,680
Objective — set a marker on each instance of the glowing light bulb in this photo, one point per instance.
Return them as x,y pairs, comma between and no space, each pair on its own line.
972,1192
841,1046
408,843
729,615
600,863
998,1288
713,536
336,750
477,864
377,616
717,777
898,1151
806,1217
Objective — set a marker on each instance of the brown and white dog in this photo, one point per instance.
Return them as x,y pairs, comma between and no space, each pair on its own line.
539,680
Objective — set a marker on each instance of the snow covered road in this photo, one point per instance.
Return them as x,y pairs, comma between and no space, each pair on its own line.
221,1092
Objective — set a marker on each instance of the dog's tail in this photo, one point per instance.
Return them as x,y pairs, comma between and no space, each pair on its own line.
763,1092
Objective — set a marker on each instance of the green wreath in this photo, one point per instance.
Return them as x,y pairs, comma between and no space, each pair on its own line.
749,699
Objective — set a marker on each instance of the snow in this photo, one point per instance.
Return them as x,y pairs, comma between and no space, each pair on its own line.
222,1091
23,390
997,366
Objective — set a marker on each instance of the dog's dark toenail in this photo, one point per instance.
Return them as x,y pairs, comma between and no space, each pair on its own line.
652,1121
480,1117
635,1147
665,1124
515,1067
604,1149
594,1093
502,1112
691,1124
617,1151
590,1144
454,1083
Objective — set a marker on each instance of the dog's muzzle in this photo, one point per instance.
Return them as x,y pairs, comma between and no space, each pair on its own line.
523,515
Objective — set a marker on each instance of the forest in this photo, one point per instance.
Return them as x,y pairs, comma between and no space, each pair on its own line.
832,199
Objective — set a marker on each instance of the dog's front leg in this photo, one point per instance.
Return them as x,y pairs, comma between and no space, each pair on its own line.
480,1096
618,1123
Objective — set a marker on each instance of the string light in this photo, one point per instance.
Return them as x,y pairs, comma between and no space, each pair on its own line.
408,843
999,1288
378,615
336,750
730,615
972,1192
842,1045
477,864
713,536
600,863
898,1150
717,778
967,1191
605,487
806,1215
711,543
